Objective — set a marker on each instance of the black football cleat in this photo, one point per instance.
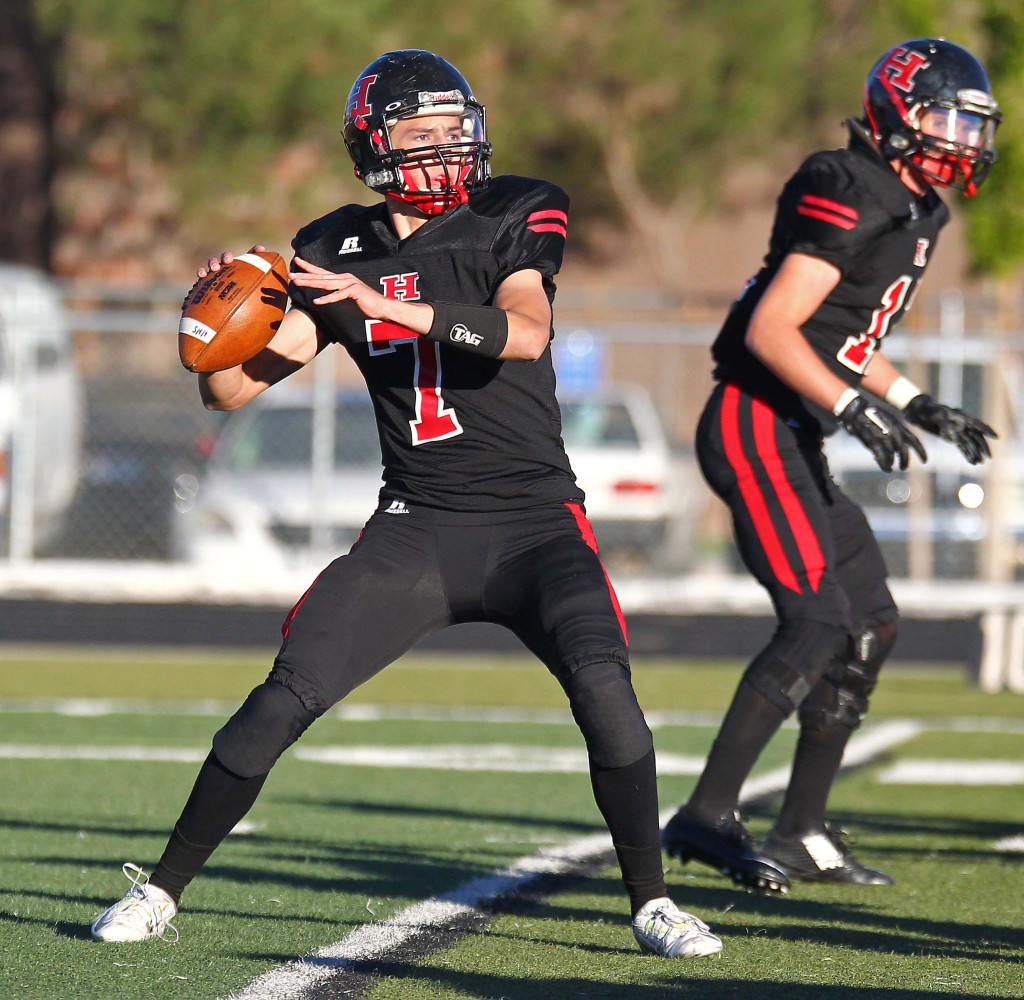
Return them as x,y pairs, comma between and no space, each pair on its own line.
727,847
822,856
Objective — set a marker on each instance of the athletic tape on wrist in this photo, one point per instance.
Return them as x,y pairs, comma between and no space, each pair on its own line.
479,329
901,392
848,396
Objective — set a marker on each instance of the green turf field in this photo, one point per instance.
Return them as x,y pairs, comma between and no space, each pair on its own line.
333,846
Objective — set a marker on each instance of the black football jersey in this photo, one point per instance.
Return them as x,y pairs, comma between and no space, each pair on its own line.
848,207
457,430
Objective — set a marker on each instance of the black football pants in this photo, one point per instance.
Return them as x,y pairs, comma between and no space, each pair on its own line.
800,536
413,571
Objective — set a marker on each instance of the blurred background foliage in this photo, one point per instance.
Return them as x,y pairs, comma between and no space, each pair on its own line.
182,127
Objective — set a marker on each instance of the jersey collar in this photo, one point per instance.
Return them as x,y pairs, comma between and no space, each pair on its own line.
894,195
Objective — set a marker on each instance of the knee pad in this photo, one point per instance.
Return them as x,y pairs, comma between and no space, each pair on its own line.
605,708
800,653
841,698
270,720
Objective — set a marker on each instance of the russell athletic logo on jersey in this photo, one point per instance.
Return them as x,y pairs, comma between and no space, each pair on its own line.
350,245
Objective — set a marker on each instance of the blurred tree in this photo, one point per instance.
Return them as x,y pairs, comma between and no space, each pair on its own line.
27,103
188,126
996,216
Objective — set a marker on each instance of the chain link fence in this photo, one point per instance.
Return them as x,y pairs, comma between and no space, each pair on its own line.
106,452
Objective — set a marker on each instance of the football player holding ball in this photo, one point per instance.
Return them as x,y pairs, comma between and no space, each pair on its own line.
442,295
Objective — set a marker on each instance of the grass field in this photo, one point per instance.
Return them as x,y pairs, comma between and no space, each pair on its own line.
98,754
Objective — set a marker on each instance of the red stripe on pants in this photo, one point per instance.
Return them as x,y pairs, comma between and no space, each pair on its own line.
800,525
751,491
588,536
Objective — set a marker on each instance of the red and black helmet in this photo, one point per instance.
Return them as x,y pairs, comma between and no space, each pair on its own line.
403,84
929,104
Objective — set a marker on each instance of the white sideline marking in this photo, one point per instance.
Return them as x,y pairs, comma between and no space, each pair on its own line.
1010,843
177,755
345,712
481,757
459,757
376,938
430,713
953,772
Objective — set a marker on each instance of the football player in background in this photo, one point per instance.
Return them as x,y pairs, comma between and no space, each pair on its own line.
799,354
442,295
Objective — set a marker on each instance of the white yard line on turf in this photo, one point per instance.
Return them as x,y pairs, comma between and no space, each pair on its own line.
440,713
953,772
458,757
345,712
373,940
865,746
1010,843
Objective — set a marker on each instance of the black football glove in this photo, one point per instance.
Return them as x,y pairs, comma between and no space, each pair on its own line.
966,432
882,433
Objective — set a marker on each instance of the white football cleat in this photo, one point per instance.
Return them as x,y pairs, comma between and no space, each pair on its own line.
663,929
143,912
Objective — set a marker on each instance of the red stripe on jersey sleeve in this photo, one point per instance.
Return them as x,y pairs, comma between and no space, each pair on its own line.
832,206
836,220
548,227
552,213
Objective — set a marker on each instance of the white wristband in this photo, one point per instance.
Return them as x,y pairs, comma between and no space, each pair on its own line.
848,396
901,392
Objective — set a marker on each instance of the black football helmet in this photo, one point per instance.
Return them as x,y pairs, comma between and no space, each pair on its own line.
928,104
403,84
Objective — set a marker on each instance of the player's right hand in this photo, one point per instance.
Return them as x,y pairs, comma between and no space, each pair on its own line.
882,433
214,263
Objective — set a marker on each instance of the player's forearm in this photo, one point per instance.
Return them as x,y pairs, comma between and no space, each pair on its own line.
784,350
224,390
294,345
527,338
880,376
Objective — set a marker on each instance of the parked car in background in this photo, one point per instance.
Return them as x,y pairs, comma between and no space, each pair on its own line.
40,412
641,493
261,500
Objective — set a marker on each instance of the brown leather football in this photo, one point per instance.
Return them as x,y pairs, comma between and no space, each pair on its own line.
231,315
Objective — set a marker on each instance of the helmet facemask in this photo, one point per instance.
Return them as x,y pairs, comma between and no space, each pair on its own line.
951,145
434,169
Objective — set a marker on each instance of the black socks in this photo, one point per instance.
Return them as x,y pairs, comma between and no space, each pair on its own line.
218,801
628,800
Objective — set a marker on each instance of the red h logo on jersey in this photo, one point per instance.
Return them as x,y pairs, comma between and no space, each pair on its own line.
381,332
401,286
921,253
902,66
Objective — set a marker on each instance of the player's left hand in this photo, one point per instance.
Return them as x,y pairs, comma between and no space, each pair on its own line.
968,433
338,287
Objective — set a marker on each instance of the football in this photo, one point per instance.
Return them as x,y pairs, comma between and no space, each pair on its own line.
230,315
